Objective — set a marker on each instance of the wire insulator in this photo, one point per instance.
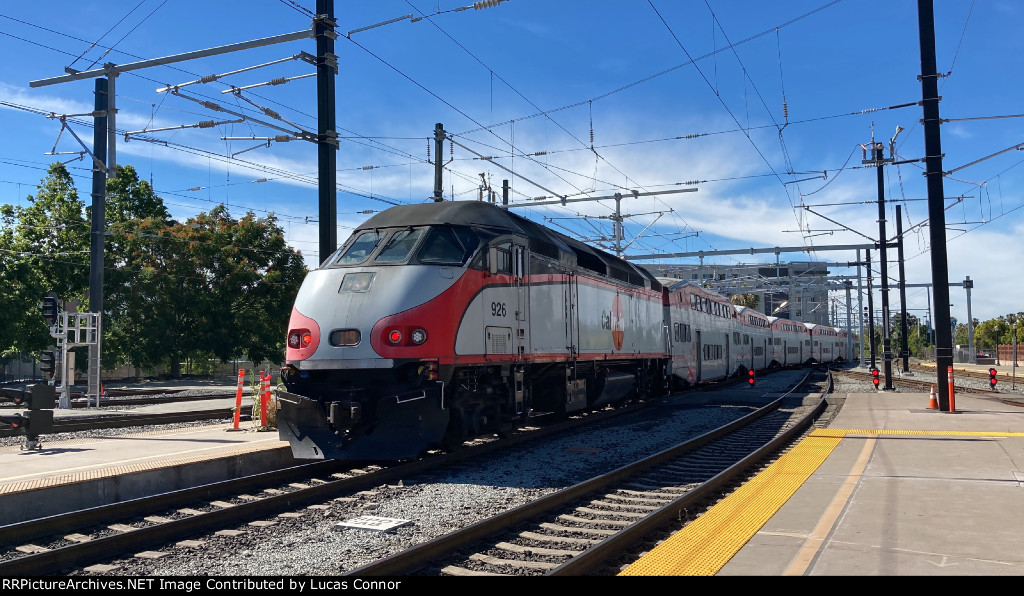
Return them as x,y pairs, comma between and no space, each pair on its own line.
207,124
211,106
785,110
271,113
428,150
282,138
278,81
486,4
209,78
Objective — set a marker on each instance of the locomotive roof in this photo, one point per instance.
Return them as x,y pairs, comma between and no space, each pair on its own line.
480,214
460,213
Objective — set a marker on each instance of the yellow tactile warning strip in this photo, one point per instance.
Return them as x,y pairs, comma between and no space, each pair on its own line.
89,473
846,432
816,539
704,546
707,544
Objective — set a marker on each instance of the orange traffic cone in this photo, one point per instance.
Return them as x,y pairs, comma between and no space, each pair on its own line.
933,402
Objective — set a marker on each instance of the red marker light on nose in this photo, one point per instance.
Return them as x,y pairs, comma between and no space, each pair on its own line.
395,336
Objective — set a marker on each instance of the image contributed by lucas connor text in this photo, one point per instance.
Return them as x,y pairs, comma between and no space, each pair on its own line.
293,585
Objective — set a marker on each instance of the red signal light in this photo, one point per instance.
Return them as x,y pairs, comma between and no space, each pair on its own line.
874,377
992,378
750,377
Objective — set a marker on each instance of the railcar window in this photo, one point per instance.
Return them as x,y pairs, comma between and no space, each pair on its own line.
444,246
360,248
399,246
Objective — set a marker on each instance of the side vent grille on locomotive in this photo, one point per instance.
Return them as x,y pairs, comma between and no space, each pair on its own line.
498,340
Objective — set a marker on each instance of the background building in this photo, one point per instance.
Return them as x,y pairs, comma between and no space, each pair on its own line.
798,290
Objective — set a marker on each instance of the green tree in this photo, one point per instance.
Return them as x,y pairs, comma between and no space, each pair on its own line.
258,277
135,217
45,248
988,333
217,287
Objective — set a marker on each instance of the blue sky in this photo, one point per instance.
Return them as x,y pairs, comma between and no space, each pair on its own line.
764,104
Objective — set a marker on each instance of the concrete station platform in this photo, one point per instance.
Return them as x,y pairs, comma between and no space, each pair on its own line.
891,488
91,472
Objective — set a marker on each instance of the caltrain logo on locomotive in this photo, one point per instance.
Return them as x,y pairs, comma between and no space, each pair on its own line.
618,325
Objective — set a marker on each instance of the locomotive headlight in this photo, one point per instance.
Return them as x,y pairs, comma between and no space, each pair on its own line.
395,336
299,338
419,336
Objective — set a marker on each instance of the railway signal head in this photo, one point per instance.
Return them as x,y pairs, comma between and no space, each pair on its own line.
48,362
992,378
50,308
750,377
874,377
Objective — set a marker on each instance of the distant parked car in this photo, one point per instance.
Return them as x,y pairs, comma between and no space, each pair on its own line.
985,354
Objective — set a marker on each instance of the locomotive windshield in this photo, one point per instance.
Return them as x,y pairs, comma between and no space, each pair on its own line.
360,248
431,245
399,246
448,246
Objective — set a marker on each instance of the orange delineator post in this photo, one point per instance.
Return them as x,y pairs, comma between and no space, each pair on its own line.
264,397
952,401
238,396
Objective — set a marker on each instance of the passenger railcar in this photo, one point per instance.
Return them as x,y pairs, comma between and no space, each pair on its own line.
441,321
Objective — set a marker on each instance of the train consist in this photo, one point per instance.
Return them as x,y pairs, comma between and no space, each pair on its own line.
446,320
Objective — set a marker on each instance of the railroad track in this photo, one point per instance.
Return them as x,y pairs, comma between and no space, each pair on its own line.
582,528
79,538
69,542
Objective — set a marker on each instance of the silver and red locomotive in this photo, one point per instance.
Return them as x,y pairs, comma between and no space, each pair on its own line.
441,321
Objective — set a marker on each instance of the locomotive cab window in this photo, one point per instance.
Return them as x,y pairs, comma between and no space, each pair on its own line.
500,259
359,248
447,246
400,245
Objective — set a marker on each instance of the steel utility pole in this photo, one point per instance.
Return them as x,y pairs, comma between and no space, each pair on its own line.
936,198
871,310
904,348
100,167
327,136
438,164
860,310
878,161
968,285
